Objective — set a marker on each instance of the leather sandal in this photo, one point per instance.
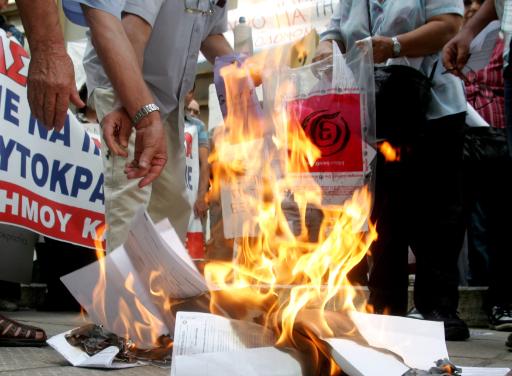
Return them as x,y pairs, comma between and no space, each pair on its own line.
15,334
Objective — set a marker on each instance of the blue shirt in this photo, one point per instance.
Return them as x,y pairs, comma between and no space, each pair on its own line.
350,23
73,10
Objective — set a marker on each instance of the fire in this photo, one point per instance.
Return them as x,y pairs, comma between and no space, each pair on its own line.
390,153
293,254
132,314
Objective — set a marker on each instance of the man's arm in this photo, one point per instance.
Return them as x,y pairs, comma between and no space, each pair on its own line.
456,51
120,47
201,206
122,59
426,39
214,46
51,77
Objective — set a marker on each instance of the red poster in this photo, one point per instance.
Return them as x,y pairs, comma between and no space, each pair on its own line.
333,124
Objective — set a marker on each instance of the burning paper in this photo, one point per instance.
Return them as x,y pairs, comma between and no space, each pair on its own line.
79,358
130,292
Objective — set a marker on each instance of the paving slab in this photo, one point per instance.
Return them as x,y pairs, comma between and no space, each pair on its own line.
486,348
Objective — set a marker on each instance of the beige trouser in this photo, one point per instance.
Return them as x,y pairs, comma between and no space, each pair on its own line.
165,198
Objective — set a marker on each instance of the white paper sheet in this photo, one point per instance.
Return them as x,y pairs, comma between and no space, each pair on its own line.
359,360
420,343
200,333
235,195
78,358
473,118
482,47
481,371
264,361
106,310
169,235
154,248
150,254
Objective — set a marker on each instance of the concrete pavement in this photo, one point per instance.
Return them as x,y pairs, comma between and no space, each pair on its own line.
486,348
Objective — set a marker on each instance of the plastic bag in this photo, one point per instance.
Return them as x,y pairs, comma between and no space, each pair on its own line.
333,101
330,103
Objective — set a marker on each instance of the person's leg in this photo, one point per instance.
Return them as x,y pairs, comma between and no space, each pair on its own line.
123,197
438,230
478,243
499,298
10,294
388,280
169,198
508,107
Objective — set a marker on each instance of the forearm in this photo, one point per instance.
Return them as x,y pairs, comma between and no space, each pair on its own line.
214,46
204,172
119,59
485,15
41,23
431,37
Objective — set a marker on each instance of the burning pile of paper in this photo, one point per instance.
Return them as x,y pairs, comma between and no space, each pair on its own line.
293,180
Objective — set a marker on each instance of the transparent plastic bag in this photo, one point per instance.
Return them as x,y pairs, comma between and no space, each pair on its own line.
333,101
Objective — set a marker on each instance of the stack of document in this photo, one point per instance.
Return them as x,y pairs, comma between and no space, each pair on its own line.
387,345
153,259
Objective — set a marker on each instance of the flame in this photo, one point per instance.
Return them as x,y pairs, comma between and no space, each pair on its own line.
134,321
293,255
286,275
390,153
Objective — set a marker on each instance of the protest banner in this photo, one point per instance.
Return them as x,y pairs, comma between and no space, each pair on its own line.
50,182
195,238
289,20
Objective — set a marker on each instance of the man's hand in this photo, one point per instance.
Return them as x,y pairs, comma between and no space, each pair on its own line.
51,86
456,53
150,151
117,128
323,51
200,207
382,49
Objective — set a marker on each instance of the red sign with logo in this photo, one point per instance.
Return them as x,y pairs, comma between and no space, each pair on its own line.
333,123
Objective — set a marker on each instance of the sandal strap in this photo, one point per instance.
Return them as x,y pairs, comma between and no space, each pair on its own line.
12,329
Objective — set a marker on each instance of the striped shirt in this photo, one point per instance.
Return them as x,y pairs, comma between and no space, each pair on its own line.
485,90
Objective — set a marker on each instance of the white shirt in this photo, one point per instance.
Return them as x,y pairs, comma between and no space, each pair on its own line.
350,23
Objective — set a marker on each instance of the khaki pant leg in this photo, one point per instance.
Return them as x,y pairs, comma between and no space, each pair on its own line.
169,198
123,197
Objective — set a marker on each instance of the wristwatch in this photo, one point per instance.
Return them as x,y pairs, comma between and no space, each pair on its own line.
143,112
397,47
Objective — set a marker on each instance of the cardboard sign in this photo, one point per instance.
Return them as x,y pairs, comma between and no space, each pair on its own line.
50,182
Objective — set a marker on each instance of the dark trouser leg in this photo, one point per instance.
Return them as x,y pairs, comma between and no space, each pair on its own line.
478,208
389,275
437,216
500,225
10,291
508,107
478,244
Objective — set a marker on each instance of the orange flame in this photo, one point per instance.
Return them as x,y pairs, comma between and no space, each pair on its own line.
390,153
284,271
133,316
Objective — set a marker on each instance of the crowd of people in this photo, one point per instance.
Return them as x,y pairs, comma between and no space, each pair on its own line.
141,64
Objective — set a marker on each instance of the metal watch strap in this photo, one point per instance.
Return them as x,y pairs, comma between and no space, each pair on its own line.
397,47
144,112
